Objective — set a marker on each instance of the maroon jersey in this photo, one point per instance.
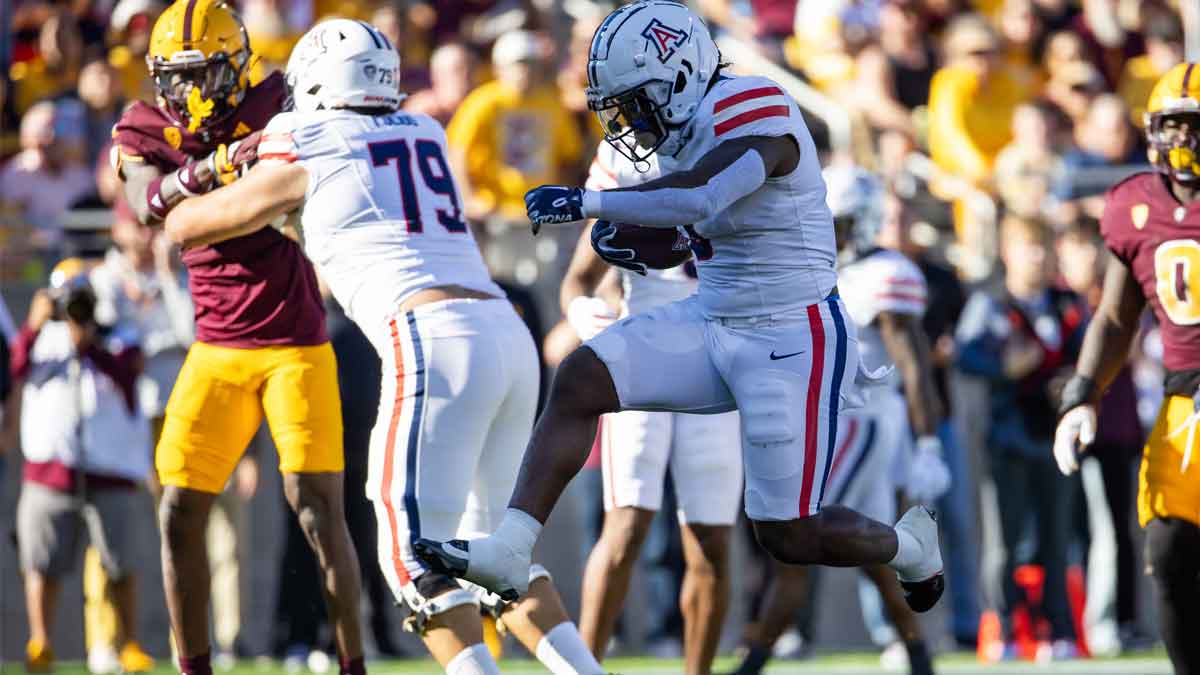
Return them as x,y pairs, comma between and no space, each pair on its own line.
250,291
1158,239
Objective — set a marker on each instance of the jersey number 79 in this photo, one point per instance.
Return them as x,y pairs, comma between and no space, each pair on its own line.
435,174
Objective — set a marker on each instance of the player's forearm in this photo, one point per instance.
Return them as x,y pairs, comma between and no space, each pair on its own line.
153,195
246,206
687,197
1104,352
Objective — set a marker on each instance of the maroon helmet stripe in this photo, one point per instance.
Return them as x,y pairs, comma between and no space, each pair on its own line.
1187,75
187,21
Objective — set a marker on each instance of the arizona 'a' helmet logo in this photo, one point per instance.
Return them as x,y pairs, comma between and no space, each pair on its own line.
664,38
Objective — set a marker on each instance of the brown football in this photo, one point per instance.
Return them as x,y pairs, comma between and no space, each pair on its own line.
659,248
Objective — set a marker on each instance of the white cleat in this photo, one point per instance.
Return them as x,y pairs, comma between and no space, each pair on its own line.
487,561
923,581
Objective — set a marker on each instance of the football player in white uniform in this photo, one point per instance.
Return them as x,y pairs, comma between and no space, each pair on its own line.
381,217
637,447
884,293
765,333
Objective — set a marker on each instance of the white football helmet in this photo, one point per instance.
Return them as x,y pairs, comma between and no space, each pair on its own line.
855,197
649,66
341,63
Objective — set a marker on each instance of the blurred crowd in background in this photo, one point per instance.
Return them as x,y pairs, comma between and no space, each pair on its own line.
997,126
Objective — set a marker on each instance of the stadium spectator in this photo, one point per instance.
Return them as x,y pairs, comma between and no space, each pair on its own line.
1018,338
972,100
1106,138
100,91
451,74
129,35
1164,50
1111,569
767,25
893,75
82,471
513,134
138,291
1021,29
1028,166
1109,32
55,69
46,177
1073,87
1062,48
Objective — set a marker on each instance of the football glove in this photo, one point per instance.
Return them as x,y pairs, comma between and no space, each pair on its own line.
230,162
603,232
553,204
1076,430
928,476
588,316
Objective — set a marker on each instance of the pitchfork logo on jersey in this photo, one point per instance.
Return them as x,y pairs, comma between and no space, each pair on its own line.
664,38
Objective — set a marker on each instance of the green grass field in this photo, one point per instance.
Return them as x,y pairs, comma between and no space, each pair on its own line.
1144,663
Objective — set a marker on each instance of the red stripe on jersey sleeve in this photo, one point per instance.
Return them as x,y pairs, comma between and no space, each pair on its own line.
746,96
281,156
898,281
904,297
750,116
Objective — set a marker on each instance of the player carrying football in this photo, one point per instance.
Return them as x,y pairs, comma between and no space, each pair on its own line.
1148,226
765,333
260,344
382,220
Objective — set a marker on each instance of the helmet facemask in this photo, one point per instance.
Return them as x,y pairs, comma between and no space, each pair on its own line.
200,92
1174,140
632,120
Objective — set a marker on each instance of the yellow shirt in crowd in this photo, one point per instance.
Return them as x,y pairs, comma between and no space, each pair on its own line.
513,143
32,82
969,124
1138,78
132,73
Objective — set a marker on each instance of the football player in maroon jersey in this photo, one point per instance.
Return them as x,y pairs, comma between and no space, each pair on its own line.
1151,225
261,348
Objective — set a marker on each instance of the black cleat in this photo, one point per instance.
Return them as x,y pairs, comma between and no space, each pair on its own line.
921,596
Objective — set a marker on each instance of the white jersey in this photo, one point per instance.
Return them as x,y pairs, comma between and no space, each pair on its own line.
382,218
880,281
773,250
611,169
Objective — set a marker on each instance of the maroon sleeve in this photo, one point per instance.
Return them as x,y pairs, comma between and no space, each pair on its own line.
143,134
22,350
1116,224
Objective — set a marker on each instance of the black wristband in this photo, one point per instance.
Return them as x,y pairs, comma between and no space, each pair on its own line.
1078,390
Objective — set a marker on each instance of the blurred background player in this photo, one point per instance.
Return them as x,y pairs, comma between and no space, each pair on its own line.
1148,225
81,472
460,368
639,448
1020,337
875,461
260,347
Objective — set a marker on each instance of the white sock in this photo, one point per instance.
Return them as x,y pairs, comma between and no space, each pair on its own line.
563,652
474,660
519,530
908,552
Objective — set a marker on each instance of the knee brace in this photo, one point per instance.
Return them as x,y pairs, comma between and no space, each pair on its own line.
432,594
